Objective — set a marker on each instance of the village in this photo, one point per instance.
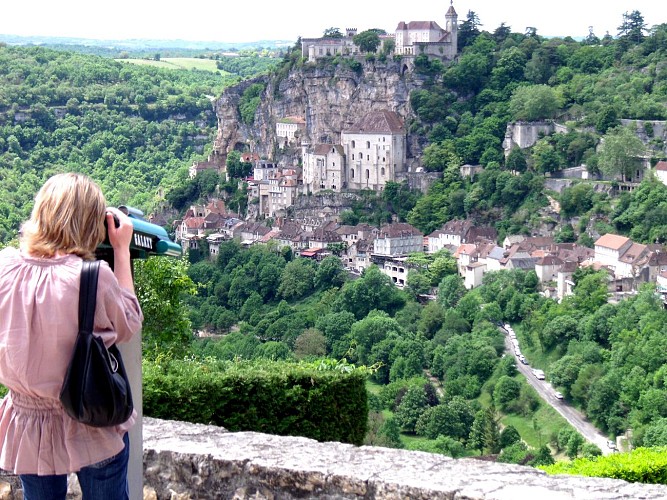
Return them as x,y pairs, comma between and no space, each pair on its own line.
628,264
373,151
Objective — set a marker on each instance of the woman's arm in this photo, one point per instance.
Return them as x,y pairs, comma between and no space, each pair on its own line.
120,238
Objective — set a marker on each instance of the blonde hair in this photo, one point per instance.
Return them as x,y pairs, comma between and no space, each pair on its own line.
68,217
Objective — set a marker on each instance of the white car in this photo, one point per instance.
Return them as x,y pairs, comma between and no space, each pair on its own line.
558,395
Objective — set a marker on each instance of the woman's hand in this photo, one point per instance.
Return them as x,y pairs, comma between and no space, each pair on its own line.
119,236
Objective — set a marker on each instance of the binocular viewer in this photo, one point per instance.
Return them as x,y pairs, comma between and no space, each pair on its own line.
148,239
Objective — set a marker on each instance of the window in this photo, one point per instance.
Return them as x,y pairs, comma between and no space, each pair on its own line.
368,157
382,171
368,144
353,146
353,156
368,174
352,173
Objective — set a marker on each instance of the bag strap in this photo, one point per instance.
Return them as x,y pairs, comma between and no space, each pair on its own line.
88,295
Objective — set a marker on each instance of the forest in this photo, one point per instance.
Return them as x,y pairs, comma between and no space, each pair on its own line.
439,379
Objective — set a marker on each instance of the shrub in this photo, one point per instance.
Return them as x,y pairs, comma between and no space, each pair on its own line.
643,465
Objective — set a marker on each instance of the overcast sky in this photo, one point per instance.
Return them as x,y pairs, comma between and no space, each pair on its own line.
252,20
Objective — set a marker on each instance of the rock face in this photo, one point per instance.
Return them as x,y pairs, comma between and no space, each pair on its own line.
330,97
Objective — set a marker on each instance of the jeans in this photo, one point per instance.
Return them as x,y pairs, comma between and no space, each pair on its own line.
105,480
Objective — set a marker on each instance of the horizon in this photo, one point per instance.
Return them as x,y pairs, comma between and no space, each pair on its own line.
128,20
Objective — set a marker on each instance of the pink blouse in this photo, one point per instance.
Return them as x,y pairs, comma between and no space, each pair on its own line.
39,300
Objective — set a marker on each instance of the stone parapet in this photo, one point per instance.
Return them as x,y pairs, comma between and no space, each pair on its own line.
193,461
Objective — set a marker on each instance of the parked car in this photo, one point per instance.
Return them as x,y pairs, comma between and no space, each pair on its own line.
523,359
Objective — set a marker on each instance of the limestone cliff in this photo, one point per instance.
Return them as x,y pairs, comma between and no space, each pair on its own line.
329,97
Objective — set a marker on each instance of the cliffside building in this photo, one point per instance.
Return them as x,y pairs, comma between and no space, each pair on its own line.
289,129
427,37
375,150
316,48
323,167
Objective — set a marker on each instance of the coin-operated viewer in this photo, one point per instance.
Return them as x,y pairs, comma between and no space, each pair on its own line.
148,240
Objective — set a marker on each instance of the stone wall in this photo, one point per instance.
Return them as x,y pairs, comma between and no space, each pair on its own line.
185,461
198,461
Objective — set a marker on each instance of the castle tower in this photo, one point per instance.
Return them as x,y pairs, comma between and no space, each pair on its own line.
452,26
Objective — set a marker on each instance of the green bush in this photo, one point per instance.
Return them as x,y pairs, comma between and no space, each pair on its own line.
643,465
322,400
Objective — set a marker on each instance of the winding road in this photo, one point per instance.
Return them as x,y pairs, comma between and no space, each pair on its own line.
548,394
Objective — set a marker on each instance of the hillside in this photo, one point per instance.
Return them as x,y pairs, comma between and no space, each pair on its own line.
138,129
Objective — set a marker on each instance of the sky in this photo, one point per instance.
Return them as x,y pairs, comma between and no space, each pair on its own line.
253,20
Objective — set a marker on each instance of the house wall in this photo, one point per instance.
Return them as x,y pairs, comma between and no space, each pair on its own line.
373,159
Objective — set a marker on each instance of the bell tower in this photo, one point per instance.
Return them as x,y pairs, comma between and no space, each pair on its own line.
452,26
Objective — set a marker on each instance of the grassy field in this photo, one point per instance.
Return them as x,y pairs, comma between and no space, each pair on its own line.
187,63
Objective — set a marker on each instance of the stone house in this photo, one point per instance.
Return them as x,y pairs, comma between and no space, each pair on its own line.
397,240
375,150
661,286
397,270
323,167
361,253
264,170
564,282
189,229
465,254
456,232
610,248
251,232
547,268
473,274
493,258
289,129
322,238
278,193
350,234
661,171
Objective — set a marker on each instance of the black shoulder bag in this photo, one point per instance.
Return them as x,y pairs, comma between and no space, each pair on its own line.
96,390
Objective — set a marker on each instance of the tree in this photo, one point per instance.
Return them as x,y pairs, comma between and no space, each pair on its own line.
516,160
367,41
297,278
468,30
506,391
310,343
374,290
412,405
332,33
633,27
160,284
534,102
330,273
509,436
450,291
484,433
621,152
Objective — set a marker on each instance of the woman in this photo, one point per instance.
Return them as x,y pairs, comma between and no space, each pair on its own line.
39,290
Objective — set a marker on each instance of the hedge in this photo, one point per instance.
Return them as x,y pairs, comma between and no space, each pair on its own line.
315,400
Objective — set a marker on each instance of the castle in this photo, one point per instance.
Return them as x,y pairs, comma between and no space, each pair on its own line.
411,39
